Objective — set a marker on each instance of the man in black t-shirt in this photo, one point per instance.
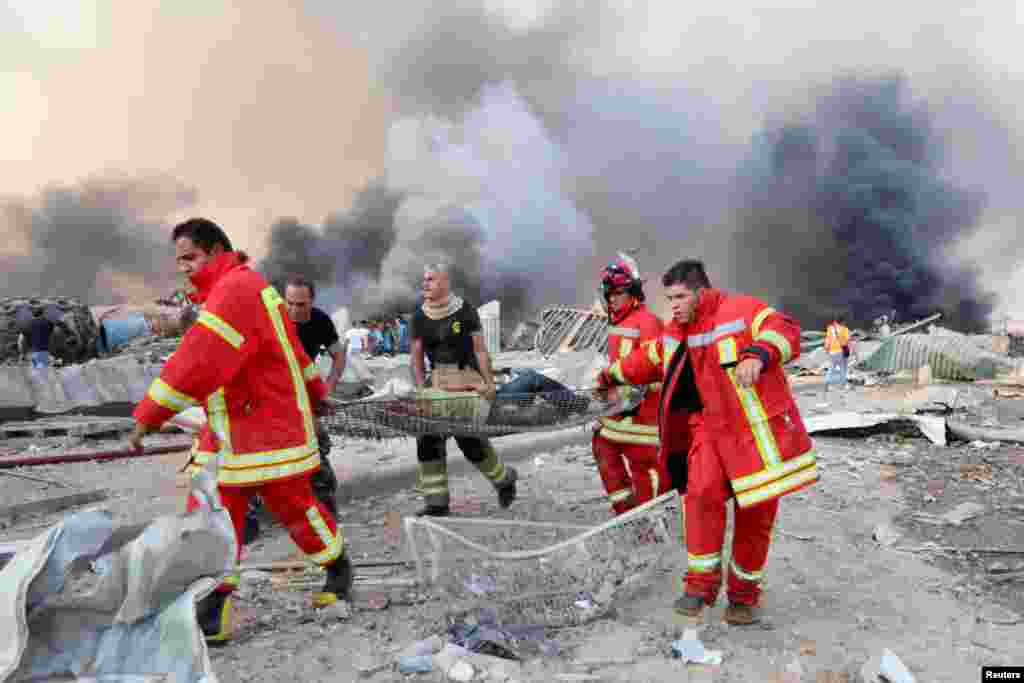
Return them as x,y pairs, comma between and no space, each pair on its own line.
447,331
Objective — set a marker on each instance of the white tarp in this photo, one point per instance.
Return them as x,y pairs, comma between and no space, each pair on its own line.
934,428
139,620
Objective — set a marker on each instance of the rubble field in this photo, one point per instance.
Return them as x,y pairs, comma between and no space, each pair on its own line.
905,545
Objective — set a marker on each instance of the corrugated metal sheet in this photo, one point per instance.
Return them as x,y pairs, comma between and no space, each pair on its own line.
954,357
571,329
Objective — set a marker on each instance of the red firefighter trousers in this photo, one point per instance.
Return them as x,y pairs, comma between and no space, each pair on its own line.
629,487
292,503
708,490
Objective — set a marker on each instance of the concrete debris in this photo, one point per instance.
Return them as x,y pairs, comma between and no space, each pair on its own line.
886,534
933,428
963,512
991,435
993,613
571,329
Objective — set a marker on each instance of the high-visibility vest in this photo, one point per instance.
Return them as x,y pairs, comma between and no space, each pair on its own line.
836,338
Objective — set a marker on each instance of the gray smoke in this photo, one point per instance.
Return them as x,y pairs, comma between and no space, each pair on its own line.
96,240
852,194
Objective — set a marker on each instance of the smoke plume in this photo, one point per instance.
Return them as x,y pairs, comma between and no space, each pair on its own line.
99,241
482,193
852,193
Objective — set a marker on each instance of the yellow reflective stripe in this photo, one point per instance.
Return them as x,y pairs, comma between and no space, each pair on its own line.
232,579
635,439
221,328
273,301
758,421
755,328
704,564
616,372
769,475
625,346
241,461
258,475
311,372
332,542
778,488
655,481
164,394
620,495
754,577
778,341
727,351
626,424
652,352
217,416
670,344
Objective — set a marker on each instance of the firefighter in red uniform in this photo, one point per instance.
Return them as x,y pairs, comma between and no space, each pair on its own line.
629,438
729,429
243,362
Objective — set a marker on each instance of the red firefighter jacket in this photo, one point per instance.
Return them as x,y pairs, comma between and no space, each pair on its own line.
638,328
757,431
243,362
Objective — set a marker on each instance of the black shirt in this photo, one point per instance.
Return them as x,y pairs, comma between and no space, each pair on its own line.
39,334
448,341
318,332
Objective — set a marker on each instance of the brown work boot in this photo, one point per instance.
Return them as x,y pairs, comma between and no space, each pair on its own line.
690,605
737,614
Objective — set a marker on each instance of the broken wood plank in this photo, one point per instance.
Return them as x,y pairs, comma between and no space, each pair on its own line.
51,505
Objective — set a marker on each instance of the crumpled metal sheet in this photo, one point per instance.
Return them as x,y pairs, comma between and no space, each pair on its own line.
139,619
955,357
122,379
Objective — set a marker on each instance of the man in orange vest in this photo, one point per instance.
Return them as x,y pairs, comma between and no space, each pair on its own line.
630,438
837,345
243,362
729,428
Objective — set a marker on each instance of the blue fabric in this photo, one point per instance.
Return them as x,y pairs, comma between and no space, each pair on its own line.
39,334
837,370
40,359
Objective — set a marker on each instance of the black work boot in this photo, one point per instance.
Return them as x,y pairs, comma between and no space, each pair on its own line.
507,492
690,605
252,527
214,616
338,585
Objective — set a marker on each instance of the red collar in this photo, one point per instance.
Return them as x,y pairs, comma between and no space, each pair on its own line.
707,303
206,277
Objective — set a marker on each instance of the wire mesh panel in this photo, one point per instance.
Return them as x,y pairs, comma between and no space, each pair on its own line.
551,574
466,414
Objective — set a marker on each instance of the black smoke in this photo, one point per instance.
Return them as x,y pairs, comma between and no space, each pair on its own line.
82,238
341,257
845,209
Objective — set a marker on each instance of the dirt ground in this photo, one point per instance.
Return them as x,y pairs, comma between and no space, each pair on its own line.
834,595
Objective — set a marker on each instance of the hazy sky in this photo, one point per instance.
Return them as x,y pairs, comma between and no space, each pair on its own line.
280,108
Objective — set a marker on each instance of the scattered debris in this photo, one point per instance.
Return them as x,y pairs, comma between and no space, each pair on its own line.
689,648
997,614
966,432
963,512
886,668
886,534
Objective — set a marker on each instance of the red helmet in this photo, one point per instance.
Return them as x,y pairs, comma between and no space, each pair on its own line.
622,272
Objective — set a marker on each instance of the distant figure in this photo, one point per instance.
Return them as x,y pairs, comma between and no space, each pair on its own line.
38,337
837,345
